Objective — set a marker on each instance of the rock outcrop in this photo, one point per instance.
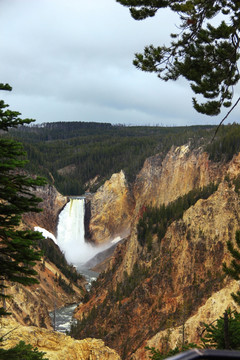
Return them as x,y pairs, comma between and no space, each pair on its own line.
145,288
30,305
162,180
214,307
52,203
111,210
57,346
184,268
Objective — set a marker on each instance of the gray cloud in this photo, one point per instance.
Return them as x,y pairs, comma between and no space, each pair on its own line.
72,60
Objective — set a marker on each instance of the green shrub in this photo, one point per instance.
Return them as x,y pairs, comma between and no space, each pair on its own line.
22,351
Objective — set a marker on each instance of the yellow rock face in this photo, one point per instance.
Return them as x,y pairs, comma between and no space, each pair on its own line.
52,204
30,305
163,180
185,267
214,307
111,210
56,345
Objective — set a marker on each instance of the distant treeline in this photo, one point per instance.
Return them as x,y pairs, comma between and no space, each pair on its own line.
226,144
72,153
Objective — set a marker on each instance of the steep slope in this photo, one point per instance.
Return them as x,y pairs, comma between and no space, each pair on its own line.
57,346
52,204
146,287
162,180
111,210
30,305
193,326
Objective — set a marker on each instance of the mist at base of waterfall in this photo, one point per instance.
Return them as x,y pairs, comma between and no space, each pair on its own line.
71,235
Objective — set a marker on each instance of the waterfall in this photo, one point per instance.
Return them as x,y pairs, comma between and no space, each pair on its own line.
70,233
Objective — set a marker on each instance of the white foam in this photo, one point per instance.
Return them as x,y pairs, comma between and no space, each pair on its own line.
71,234
45,233
116,240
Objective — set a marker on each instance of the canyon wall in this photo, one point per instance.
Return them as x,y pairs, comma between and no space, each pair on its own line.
144,289
162,180
111,210
30,305
183,269
208,313
56,346
52,204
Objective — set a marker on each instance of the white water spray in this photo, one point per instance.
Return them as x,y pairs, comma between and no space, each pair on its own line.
70,234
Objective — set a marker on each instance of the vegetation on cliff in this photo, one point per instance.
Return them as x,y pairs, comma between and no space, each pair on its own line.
224,333
156,220
52,252
18,254
226,144
22,351
74,152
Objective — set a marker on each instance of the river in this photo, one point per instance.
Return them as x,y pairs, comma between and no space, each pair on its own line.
64,315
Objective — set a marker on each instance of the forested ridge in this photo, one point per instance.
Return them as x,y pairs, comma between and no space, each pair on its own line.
72,153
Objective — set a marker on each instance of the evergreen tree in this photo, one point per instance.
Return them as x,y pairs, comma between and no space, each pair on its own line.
225,334
233,270
22,351
17,253
202,52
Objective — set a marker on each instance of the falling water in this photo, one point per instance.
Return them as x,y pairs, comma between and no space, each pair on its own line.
71,240
70,234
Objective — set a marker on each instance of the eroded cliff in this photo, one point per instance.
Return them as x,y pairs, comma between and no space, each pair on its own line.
162,180
145,287
52,204
57,346
30,305
111,210
214,307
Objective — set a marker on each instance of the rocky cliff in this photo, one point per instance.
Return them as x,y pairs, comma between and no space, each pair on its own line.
111,210
162,180
30,305
214,307
57,346
183,270
52,204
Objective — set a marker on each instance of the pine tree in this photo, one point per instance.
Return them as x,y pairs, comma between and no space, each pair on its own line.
220,336
22,351
17,252
202,52
233,270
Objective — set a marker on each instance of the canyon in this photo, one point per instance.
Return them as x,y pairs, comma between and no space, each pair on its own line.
143,290
184,269
55,345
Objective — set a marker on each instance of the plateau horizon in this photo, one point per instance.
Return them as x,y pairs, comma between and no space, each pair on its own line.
45,124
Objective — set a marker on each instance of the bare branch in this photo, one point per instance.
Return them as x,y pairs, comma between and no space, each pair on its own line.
225,118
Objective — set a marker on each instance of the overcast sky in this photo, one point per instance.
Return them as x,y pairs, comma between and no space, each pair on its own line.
71,60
